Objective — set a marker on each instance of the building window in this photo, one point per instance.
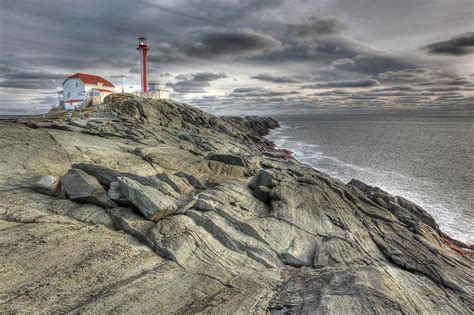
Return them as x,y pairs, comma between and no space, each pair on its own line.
77,84
68,94
90,93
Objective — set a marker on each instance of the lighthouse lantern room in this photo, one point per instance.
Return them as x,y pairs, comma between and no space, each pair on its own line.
143,49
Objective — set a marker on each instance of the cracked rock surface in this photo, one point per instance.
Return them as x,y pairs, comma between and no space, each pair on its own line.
251,230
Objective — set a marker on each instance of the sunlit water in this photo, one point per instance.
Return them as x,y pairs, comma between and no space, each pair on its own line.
429,160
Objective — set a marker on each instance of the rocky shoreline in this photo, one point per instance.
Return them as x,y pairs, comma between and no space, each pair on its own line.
157,207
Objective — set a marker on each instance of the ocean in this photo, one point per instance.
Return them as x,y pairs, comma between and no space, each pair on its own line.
428,160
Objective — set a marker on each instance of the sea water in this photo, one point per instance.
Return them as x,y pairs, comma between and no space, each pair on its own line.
428,160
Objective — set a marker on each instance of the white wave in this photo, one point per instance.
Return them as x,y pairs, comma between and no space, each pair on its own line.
393,182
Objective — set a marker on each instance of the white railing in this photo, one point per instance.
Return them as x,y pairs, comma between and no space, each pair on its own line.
86,102
153,94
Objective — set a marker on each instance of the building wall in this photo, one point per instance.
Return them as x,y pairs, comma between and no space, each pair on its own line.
89,87
98,96
73,89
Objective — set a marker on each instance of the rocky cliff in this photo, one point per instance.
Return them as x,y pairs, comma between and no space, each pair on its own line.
157,207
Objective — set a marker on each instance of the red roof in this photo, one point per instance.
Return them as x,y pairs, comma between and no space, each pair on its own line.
102,90
90,79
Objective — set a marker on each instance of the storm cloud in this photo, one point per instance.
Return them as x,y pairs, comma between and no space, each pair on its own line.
456,46
30,80
260,92
361,83
194,82
211,42
315,28
275,78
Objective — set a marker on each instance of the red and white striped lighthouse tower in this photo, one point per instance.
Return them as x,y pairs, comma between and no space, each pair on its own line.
143,48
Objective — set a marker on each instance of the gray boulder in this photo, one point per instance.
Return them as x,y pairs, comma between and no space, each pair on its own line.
152,203
262,193
83,188
178,184
204,203
115,193
227,158
263,178
46,184
193,181
134,224
106,175
103,174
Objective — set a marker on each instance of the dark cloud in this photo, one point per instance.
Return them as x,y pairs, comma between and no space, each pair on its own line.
337,58
449,89
247,89
47,100
457,46
119,76
31,80
260,92
315,28
368,62
275,78
224,13
448,81
212,42
201,76
332,93
394,88
194,82
361,83
35,76
422,74
165,53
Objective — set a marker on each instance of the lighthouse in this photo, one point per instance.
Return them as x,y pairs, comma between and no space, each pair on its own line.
149,90
142,49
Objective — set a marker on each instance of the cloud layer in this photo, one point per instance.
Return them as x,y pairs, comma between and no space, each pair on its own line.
361,83
457,46
211,42
315,28
238,57
194,82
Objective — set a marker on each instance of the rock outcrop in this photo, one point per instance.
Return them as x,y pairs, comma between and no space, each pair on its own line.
231,159
47,184
167,209
83,188
151,202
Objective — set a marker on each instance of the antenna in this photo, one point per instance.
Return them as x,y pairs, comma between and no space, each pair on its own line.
122,81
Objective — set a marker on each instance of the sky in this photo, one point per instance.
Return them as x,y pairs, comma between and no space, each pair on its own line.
241,57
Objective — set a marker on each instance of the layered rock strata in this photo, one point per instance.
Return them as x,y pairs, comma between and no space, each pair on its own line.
159,207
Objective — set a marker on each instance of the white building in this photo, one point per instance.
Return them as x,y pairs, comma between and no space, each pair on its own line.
154,92
81,88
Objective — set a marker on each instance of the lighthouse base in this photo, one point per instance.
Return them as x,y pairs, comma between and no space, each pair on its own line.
161,94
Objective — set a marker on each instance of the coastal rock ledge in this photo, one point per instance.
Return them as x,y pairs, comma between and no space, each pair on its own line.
157,207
